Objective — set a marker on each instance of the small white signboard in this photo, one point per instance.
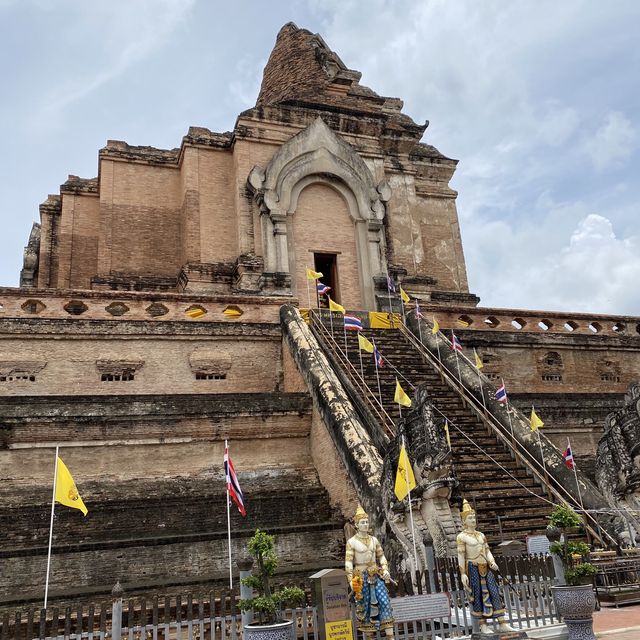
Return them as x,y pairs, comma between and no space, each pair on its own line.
538,544
424,607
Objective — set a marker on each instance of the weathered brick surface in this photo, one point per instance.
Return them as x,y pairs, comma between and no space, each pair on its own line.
322,224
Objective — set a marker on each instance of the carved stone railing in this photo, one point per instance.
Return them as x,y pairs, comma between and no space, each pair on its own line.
137,306
529,321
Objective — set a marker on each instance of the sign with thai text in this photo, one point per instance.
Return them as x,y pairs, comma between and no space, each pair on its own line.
424,607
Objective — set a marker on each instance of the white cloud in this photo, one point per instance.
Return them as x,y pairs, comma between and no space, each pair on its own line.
613,143
592,270
123,34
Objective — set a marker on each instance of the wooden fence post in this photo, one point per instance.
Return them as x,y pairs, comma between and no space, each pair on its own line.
116,612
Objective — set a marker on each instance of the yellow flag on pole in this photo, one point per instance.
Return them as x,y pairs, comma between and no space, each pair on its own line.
446,433
479,364
364,344
404,296
536,423
400,396
66,490
313,275
405,480
436,326
334,306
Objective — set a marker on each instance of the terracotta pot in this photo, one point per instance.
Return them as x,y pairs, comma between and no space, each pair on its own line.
277,631
576,605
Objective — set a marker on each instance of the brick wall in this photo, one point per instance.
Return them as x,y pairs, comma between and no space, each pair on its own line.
322,224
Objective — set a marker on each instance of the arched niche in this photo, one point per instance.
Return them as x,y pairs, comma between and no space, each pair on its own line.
318,155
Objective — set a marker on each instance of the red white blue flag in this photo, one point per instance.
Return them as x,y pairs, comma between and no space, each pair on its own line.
378,357
455,343
418,312
323,289
501,394
233,486
352,323
391,285
568,458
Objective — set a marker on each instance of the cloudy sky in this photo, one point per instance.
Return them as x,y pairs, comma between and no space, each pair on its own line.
538,99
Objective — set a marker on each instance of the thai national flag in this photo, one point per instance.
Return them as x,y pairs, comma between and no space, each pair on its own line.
323,289
568,458
233,487
352,323
378,357
455,343
391,285
418,312
501,394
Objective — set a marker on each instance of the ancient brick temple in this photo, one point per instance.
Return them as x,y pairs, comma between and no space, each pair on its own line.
147,330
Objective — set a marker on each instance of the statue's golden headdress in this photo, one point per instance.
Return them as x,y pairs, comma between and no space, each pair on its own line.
360,513
467,510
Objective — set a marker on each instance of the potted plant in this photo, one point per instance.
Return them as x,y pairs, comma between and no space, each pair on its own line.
575,600
268,604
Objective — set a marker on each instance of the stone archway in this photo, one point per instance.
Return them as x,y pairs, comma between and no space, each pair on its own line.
318,155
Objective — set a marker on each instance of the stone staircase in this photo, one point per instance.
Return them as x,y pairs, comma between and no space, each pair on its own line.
506,496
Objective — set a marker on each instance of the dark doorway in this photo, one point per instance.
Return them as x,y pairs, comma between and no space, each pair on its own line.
326,263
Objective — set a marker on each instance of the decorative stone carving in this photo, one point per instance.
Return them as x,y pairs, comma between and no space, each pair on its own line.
11,368
117,366
318,154
209,363
429,452
30,258
618,462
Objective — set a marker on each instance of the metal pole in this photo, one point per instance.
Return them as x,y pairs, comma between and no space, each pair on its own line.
229,525
375,360
390,305
575,474
53,506
309,291
413,533
361,367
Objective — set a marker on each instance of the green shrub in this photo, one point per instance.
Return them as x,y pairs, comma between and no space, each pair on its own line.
565,518
266,604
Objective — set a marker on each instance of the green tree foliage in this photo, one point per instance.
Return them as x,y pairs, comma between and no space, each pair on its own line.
267,605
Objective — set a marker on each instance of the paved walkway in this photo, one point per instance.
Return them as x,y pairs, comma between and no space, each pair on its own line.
622,623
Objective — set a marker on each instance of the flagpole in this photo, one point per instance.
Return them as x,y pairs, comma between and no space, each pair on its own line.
484,403
375,360
399,405
453,344
309,292
404,320
331,318
413,533
544,464
390,305
419,327
361,367
575,474
508,412
53,505
344,329
226,447
437,339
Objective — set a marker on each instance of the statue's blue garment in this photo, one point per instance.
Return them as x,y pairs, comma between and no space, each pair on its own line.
487,602
373,609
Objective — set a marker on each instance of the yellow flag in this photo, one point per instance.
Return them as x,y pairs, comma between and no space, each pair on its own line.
446,433
313,275
364,344
436,326
66,490
400,396
479,364
404,296
462,323
334,306
405,480
536,423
